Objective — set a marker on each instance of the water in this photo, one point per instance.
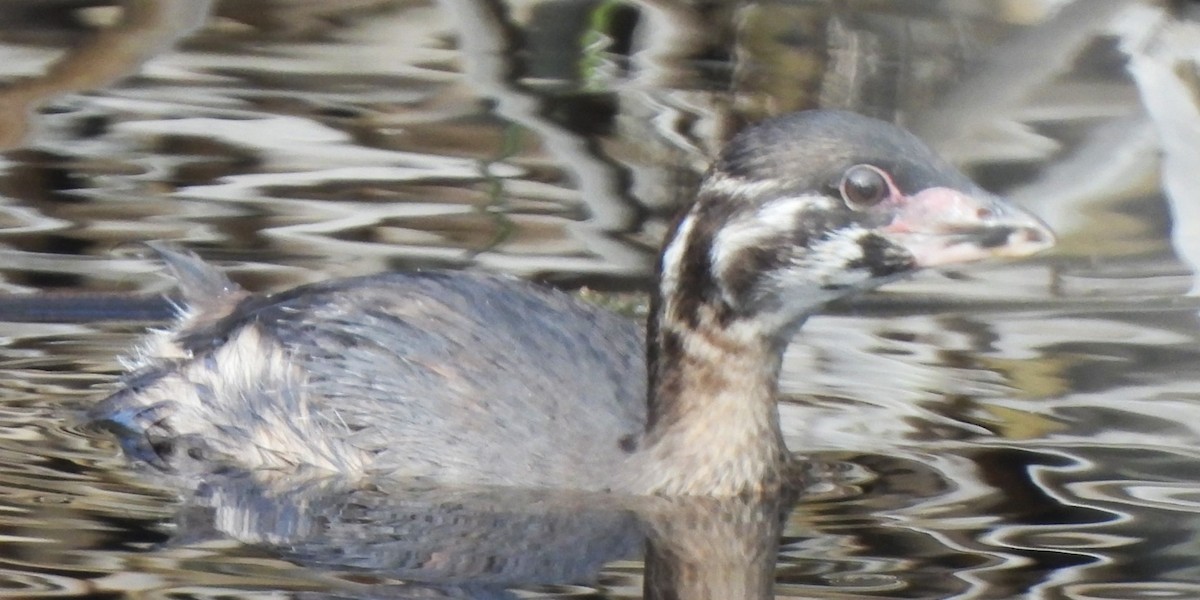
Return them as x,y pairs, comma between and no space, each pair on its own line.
1025,430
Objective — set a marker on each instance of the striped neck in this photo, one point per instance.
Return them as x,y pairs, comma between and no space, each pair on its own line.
712,422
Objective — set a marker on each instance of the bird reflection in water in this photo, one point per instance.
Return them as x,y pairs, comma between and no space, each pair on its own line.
479,542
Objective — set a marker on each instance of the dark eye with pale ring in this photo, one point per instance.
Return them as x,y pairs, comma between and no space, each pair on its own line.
864,186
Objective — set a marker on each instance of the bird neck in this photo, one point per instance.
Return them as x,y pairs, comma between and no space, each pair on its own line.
712,422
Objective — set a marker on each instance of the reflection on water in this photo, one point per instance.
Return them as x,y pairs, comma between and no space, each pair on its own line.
1022,431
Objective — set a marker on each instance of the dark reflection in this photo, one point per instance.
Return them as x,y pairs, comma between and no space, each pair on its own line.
437,536
477,543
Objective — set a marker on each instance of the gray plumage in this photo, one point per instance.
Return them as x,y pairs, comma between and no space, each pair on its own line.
398,372
477,379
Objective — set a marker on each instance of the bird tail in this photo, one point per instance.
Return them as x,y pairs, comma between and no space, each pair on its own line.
202,288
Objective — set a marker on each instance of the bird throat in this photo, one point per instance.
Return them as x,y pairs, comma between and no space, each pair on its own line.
712,422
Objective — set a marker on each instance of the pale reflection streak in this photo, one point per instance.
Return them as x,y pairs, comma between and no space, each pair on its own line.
1164,61
977,121
1080,192
1168,496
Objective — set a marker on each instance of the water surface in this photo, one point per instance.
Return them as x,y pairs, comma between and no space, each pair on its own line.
1024,430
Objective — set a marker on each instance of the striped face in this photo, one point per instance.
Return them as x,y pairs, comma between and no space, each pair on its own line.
781,227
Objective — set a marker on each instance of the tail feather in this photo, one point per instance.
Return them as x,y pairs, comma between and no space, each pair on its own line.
201,286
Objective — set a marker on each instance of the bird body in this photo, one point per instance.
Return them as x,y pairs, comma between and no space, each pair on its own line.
399,369
467,378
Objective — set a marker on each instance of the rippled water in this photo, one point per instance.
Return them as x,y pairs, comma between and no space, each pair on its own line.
1025,430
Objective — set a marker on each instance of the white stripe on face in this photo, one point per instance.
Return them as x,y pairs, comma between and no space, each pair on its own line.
672,257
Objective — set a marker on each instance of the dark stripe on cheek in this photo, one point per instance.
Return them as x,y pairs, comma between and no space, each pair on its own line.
697,284
880,257
744,272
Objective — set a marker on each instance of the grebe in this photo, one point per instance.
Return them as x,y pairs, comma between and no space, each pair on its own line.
465,378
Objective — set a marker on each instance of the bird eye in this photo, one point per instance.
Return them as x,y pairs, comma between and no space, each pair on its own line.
864,186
